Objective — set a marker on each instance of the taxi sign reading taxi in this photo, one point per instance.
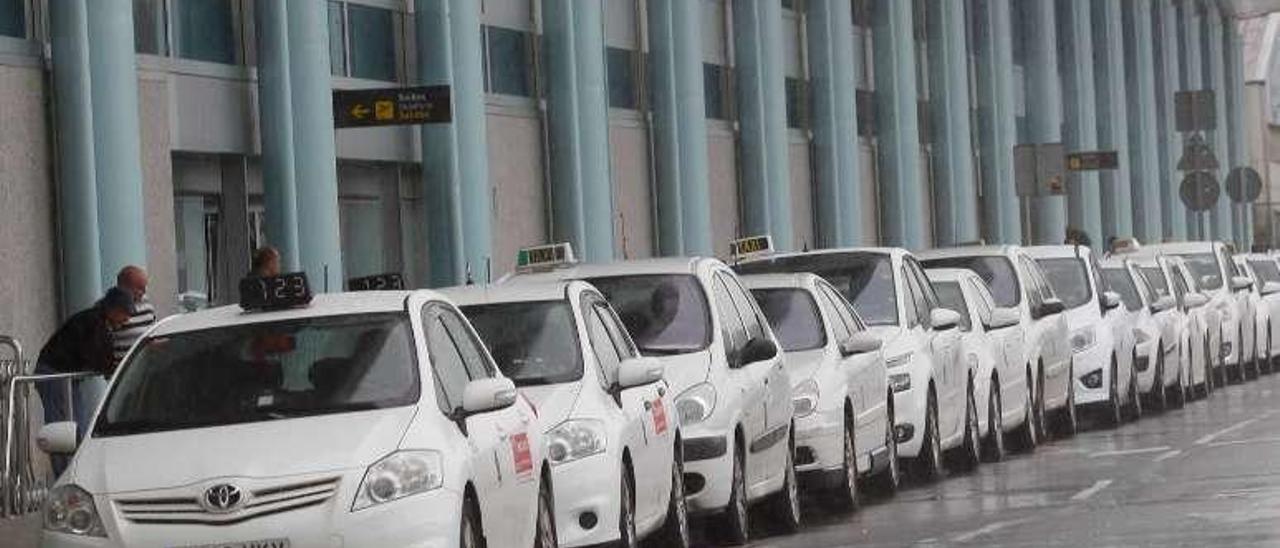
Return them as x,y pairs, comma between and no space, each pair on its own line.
1093,161
545,256
392,106
752,245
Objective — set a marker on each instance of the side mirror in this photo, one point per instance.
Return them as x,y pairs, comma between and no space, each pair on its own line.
944,318
1110,300
1239,283
757,350
484,395
1163,303
57,438
639,372
1052,306
1002,318
861,342
1195,300
1270,287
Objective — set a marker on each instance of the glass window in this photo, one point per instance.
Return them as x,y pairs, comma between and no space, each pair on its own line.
337,39
797,103
264,371
862,13
1069,278
621,341
1118,280
621,64
844,310
205,30
793,315
602,346
715,89
473,355
911,302
361,230
995,270
1204,267
866,279
533,342
446,363
983,305
735,335
1155,277
13,18
509,62
951,296
372,34
1267,270
664,313
788,4
746,307
828,302
148,26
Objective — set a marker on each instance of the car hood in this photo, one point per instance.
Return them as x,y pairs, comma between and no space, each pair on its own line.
268,449
552,402
804,364
682,371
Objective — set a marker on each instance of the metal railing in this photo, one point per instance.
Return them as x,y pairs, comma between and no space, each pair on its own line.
23,487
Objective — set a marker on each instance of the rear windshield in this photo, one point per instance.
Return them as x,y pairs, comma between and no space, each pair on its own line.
1266,269
951,296
1119,280
532,342
996,271
665,313
1069,279
793,315
1155,277
262,372
866,279
1205,269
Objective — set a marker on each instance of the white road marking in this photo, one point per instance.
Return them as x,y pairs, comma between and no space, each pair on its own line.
1244,442
1091,490
1237,426
987,530
1124,452
1167,455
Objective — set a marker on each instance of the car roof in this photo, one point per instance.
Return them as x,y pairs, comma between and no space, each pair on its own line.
664,265
803,280
948,274
1181,247
1258,256
1002,250
1057,251
523,291
322,305
1116,261
890,251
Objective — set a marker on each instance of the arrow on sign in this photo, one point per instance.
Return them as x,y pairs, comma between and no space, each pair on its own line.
360,111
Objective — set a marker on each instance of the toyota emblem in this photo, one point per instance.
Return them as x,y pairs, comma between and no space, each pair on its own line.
223,498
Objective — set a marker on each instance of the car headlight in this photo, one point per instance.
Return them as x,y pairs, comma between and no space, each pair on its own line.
899,382
575,439
398,475
696,404
804,398
70,510
1082,339
899,360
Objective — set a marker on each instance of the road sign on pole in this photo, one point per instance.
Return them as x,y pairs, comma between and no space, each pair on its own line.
1244,185
1093,161
1199,191
1197,155
392,106
1195,111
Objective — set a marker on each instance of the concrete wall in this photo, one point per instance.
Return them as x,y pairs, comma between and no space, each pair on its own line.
519,193
801,191
632,201
157,173
722,170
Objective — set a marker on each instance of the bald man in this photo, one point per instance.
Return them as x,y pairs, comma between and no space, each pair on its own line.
133,280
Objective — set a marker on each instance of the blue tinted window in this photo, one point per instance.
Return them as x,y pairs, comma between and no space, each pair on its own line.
622,78
715,91
373,45
148,27
509,62
797,103
13,18
337,41
204,30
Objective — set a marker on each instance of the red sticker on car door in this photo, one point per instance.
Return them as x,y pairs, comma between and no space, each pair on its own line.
659,416
521,454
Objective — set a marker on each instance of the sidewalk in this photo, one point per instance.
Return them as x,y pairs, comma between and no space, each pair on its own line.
20,532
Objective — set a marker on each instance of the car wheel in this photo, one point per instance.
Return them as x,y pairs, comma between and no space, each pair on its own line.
1160,396
928,464
1041,422
993,447
735,521
969,454
1179,398
1265,362
1208,370
1068,422
469,533
675,530
626,513
1027,434
886,482
546,533
1135,398
1114,410
846,494
787,501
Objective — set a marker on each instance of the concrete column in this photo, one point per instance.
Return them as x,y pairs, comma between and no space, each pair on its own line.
233,228
578,115
1215,63
837,175
901,190
1080,114
1044,110
275,120
955,199
1140,97
1235,122
1113,118
315,157
1190,43
762,118
77,187
455,156
117,153
997,123
1168,78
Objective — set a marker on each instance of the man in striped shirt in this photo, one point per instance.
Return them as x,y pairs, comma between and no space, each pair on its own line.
132,279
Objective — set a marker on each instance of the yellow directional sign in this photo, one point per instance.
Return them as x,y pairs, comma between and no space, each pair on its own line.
360,111
392,106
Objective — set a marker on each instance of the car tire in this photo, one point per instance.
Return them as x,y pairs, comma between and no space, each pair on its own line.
1179,397
1113,409
887,481
545,534
626,512
675,529
1027,435
735,521
469,534
928,464
1265,362
1160,396
1135,397
1042,421
1067,422
966,457
993,446
786,502
845,494
1209,372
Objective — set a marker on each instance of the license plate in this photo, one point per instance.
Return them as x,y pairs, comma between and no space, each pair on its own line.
269,543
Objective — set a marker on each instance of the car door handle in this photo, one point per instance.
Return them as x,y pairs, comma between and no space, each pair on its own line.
662,392
648,406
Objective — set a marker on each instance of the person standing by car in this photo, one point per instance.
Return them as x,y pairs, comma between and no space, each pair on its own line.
133,280
266,262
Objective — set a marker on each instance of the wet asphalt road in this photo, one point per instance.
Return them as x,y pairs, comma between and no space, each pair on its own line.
1205,475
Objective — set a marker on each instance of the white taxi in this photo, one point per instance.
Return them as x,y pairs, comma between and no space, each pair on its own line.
722,362
1158,332
993,370
1266,276
1102,338
921,345
1164,278
843,406
602,408
361,419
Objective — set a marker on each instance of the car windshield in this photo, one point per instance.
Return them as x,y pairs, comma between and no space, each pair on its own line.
1266,269
263,371
665,313
1155,278
1069,279
866,279
1206,271
532,342
1119,280
996,271
950,296
793,315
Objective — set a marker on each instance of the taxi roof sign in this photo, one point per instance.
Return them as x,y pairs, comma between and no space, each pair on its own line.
545,257
275,292
751,245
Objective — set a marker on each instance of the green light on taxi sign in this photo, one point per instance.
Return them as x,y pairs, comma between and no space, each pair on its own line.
545,256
